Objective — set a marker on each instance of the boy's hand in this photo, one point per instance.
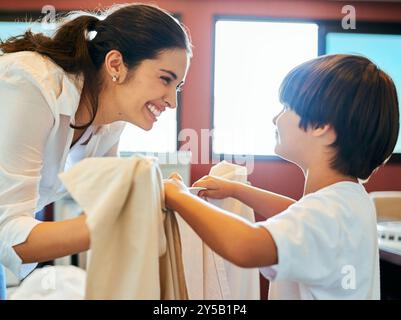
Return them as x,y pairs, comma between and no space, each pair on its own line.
217,188
173,186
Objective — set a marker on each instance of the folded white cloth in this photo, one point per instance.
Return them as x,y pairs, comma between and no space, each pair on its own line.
208,276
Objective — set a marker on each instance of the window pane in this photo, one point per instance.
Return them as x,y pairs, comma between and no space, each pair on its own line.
10,29
251,59
383,49
162,137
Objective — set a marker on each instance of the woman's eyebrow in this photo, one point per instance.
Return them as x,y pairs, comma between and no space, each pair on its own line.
170,72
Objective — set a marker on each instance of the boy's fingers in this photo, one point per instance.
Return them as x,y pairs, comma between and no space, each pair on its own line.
198,184
202,194
201,182
175,175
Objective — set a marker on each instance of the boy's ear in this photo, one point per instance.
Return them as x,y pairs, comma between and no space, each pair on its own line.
325,131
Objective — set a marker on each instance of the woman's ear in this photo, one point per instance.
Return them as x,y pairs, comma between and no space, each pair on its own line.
115,67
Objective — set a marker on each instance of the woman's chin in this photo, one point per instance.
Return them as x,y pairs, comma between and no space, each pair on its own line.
145,125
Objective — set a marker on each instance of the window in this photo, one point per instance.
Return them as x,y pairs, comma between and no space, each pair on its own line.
161,139
9,29
251,59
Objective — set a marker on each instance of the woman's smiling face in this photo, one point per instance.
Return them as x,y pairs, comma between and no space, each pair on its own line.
149,89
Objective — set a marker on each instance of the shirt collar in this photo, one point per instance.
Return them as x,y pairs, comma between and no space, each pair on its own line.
69,101
101,130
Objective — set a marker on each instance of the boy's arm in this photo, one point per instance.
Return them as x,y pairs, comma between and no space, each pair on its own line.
235,239
263,202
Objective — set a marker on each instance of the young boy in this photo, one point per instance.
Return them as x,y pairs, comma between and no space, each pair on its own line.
339,123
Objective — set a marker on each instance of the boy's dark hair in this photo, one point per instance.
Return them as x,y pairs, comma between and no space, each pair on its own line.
359,100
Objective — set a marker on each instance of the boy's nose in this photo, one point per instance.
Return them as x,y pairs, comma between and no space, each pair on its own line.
275,119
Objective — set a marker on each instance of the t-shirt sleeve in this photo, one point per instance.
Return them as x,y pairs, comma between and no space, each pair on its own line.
306,236
25,124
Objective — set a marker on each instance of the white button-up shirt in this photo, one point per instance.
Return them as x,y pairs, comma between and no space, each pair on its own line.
38,101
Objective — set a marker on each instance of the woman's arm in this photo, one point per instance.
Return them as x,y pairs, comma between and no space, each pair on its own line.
235,239
261,201
51,240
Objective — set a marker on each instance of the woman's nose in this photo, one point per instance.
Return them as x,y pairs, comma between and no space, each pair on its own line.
171,100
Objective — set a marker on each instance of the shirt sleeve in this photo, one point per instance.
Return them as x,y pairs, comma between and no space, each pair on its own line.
25,124
306,236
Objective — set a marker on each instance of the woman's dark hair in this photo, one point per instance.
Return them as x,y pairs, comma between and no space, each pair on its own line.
137,31
358,99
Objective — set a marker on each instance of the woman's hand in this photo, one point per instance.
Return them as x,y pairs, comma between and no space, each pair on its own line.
172,187
217,188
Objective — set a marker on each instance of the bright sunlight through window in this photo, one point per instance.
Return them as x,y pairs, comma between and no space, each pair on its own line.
161,139
251,59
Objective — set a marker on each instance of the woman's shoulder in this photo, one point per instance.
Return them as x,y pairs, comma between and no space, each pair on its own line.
28,61
37,69
31,66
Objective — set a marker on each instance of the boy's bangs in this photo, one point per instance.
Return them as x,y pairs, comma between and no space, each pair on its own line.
297,91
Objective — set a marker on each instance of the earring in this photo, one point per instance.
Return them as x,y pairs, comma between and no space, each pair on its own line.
114,78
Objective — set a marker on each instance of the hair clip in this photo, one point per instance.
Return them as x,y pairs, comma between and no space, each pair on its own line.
90,35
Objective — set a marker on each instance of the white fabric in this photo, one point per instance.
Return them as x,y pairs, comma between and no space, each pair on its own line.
38,102
52,283
123,200
208,275
327,246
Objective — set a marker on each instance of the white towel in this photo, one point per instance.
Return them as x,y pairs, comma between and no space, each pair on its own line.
208,276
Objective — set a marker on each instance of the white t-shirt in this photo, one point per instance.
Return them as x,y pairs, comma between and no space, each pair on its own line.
38,103
327,246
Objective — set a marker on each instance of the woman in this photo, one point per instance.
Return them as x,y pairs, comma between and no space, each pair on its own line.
65,98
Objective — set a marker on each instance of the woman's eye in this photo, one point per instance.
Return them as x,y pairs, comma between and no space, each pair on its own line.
166,80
